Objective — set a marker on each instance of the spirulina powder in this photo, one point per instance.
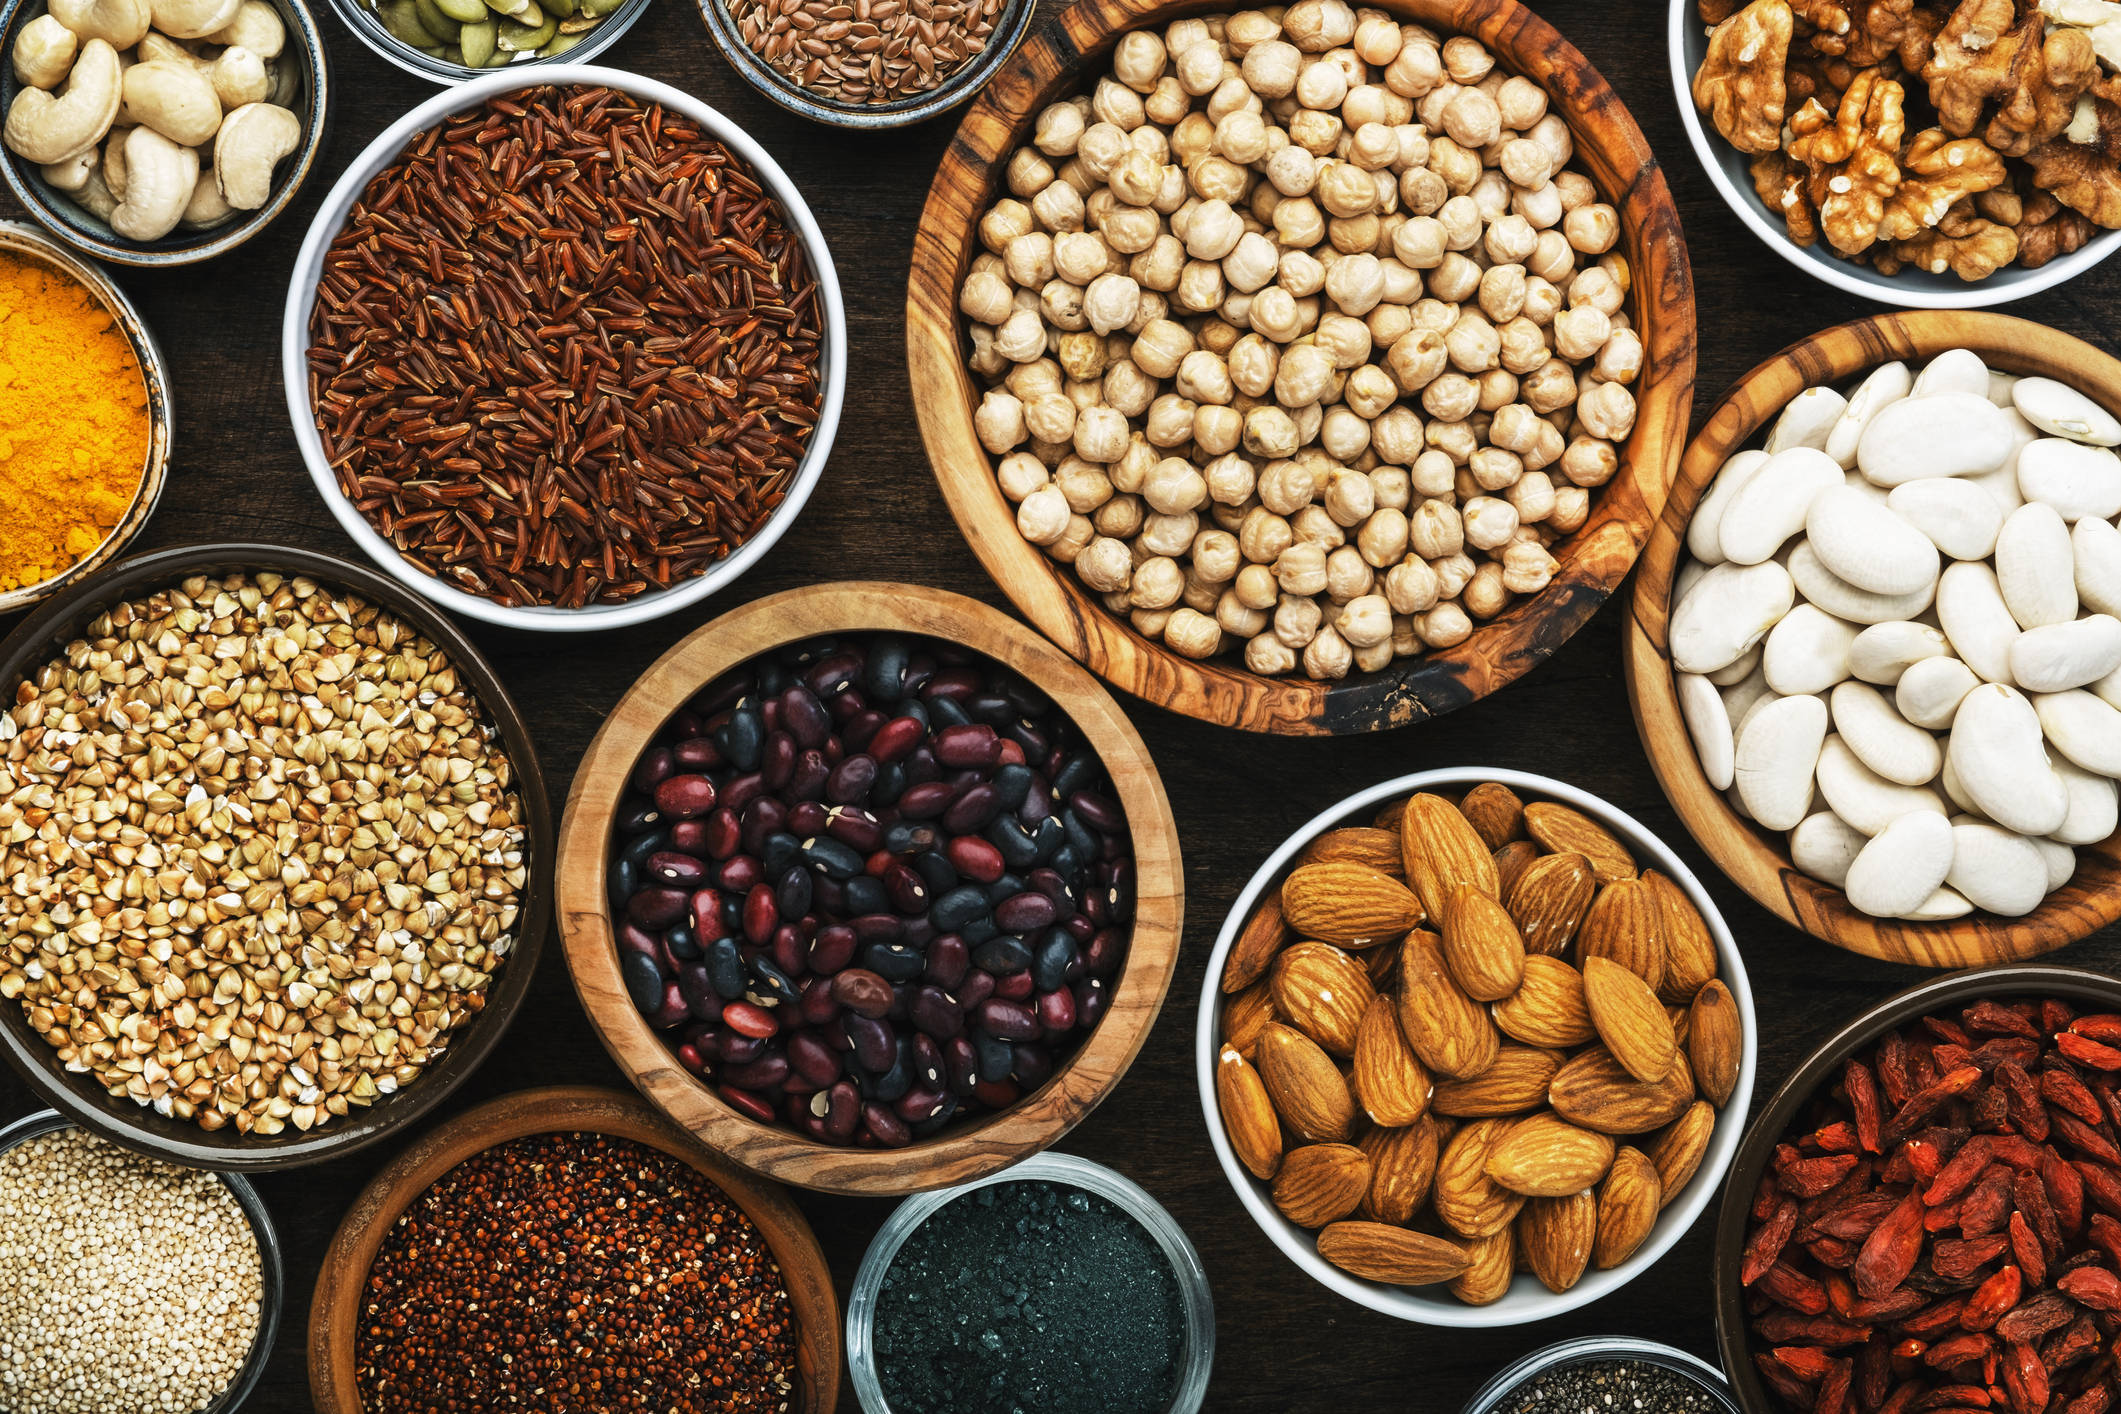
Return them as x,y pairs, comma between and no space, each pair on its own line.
1029,1298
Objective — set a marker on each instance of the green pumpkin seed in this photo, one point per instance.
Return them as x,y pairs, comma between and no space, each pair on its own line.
444,29
478,43
403,21
522,37
559,46
464,12
600,7
579,24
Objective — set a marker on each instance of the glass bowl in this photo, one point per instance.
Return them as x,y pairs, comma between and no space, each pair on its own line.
1588,1348
1128,1196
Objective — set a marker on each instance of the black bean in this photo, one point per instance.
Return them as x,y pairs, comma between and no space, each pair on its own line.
959,906
945,712
772,680
742,739
637,815
936,872
772,982
1002,956
725,968
782,852
890,785
1049,968
809,651
620,882
978,930
885,673
1012,783
638,850
863,894
792,894
893,961
827,856
1019,849
1007,886
684,944
993,1054
989,707
644,982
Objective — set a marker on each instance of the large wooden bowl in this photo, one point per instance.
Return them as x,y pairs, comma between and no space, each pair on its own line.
1054,63
962,1152
335,1307
1758,860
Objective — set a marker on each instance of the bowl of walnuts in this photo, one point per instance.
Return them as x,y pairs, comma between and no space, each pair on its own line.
1922,155
1305,371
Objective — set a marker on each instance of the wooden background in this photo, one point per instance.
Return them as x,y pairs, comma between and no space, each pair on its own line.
1284,1343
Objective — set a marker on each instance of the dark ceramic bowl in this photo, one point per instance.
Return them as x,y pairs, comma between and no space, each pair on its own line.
306,91
2087,990
56,623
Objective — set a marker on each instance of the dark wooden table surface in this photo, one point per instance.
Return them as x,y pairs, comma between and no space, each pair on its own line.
1284,1343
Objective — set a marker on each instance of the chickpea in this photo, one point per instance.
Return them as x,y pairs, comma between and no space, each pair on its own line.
1433,474
1589,461
1252,364
1028,260
1498,388
1316,132
1250,264
1547,450
1541,303
1527,568
1572,507
1301,273
1619,357
1453,573
1159,266
1540,207
1264,535
1445,626
1472,119
1316,26
1526,163
1533,496
1268,656
986,298
1382,539
1417,71
999,421
1554,134
1168,534
1365,621
1454,280
1388,324
1450,397
1429,107
1416,360
1473,344
1368,392
1120,517
1156,583
1345,189
1029,172
1160,347
1216,558
1296,619
1313,526
1608,411
1301,569
1322,85
1034,379
1459,220
1200,69
1575,190
1422,191
1458,440
1484,596
1051,418
1061,304
1170,421
1436,530
1230,95
1422,242
1616,265
1200,287
986,360
1510,240
1328,657
1270,432
1411,586
1579,332
1042,516
1343,434
1249,27
1354,235
1297,223
1106,565
1238,618
1302,375
1356,283
1175,488
1374,147
1255,588
1396,434
1598,290
1271,68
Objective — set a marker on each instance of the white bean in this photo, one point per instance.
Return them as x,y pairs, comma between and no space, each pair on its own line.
1843,600
1888,383
2057,657
1953,371
2035,571
1808,651
1728,612
1867,544
1901,866
1997,754
1776,755
1824,845
1997,869
1859,795
2094,808
2095,551
1929,692
2061,410
1883,652
1979,624
2083,728
1946,434
2076,480
1771,506
1806,420
1958,515
1881,738
1701,539
1710,727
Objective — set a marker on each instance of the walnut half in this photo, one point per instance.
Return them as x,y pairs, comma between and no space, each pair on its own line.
1740,84
1854,163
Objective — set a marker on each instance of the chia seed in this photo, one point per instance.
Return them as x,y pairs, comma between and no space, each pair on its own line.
1029,1298
1611,1387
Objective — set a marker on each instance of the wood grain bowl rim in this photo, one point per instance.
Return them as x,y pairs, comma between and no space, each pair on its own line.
1527,1300
1812,1075
1594,559
961,1153
562,1109
143,1131
2092,898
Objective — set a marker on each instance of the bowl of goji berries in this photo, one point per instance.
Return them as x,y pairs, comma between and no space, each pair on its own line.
1927,1216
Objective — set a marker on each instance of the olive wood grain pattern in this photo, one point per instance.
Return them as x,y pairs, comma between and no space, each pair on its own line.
1758,860
1055,62
335,1308
957,1154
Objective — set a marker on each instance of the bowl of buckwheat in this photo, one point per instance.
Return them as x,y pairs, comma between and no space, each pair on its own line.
1317,370
280,854
1947,156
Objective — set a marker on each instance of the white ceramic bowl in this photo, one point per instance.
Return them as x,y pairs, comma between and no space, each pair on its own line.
309,267
1527,1300
1915,289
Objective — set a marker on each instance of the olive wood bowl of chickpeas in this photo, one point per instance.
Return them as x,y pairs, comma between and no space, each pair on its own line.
1311,375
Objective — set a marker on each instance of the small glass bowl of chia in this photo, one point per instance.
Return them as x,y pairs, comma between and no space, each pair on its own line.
1606,1374
1090,1195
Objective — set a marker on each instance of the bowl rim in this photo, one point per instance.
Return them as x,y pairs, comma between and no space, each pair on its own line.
1958,294
1598,555
1078,1085
1010,27
1196,1297
1584,1349
2076,910
364,25
39,200
560,1109
301,296
25,241
1521,1305
184,1143
1930,994
272,1277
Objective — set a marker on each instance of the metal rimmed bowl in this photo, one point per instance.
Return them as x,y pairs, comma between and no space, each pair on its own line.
305,88
1066,1170
1527,1299
1600,1349
302,295
968,78
46,633
271,1280
26,242
360,17
1687,43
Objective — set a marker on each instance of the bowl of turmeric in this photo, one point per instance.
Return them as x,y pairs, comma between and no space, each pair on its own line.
84,418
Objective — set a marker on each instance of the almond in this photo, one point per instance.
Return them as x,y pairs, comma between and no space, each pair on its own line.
1626,925
1678,1149
1715,1041
1389,816
1447,1029
1470,1203
1681,1027
1246,1015
1628,1203
1689,950
1391,1254
1440,850
1264,935
1388,1080
1383,966
1248,1115
1321,1182
1402,1166
1548,1009
1595,1091
1481,946
1305,1086
1350,905
1511,861
1561,830
1629,1018
1322,992
1495,813
1556,1234
1547,1157
1372,848
1517,1081
1493,1263
1549,899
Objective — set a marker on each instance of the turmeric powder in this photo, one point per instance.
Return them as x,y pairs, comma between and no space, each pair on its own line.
74,424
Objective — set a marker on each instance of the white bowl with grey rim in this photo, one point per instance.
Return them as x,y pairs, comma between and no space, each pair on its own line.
1688,45
1527,1299
309,269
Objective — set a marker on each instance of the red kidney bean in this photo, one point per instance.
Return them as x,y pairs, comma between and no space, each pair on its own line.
976,988
725,833
974,810
673,1010
953,683
1015,986
1091,994
679,870
691,837
1098,812
737,1049
657,765
996,1094
884,1126
743,790
961,1064
740,874
656,908
696,754
1023,913
744,1102
764,819
927,1062
947,960
806,818
778,763
791,953
909,894
921,1102
691,1059
703,910
862,992
843,1109
818,1005
770,713
926,800
808,781
975,858
834,675
1012,1021
936,1013
875,1043
748,1020
858,733
815,1061
970,747
683,797
767,1071
895,739
1056,1010
854,827
804,717
761,915
850,781
832,948
1031,1065
1104,953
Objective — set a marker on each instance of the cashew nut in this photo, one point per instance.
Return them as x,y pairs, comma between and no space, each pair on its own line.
94,197
206,209
114,161
44,128
119,23
159,177
157,45
239,77
253,140
256,27
193,19
174,99
72,174
44,51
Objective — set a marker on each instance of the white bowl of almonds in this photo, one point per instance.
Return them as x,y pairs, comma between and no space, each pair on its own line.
1498,960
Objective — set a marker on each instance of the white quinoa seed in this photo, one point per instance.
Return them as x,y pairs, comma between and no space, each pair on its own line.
126,1285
